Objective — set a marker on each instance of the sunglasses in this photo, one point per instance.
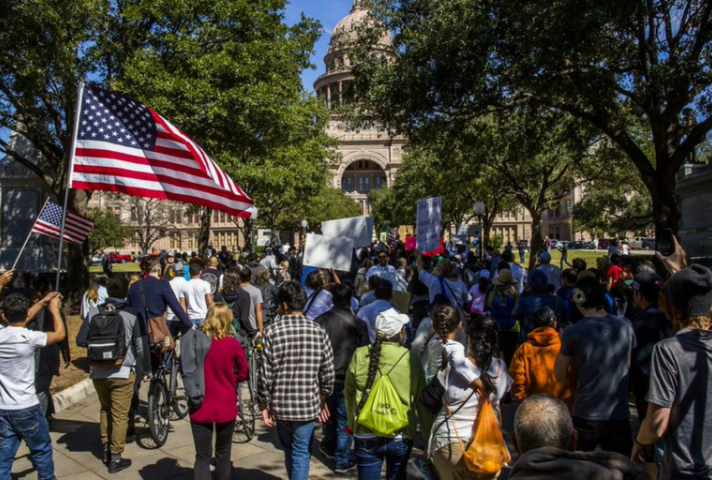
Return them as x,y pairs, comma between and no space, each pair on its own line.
381,257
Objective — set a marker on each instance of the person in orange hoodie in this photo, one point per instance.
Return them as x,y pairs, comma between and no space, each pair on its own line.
532,367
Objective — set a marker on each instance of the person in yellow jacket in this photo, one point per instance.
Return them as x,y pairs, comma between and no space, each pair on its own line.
532,367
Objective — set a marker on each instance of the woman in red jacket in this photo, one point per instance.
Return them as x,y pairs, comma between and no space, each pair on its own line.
225,366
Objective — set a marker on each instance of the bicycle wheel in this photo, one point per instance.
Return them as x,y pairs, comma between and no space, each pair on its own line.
158,412
245,421
180,399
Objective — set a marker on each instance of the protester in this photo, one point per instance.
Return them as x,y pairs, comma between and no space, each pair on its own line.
106,266
567,313
269,263
385,357
532,368
253,265
369,296
256,301
680,394
519,273
384,270
346,333
296,377
453,426
360,283
244,325
546,439
213,275
269,295
533,299
382,302
318,295
225,366
553,273
21,417
600,413
651,327
500,303
114,384
478,295
173,275
197,295
96,295
443,281
615,272
283,274
521,249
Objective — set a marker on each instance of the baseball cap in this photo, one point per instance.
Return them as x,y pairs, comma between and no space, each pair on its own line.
545,256
390,322
648,284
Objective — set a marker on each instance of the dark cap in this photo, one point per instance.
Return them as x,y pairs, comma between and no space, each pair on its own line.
690,290
648,284
589,293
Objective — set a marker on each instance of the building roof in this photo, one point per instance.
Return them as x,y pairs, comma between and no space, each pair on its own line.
346,31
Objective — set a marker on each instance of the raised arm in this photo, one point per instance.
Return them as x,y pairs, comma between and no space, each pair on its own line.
59,333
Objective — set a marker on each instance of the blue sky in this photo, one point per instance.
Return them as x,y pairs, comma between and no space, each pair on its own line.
328,12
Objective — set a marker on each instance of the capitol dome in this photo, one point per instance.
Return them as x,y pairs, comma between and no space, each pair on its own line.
346,31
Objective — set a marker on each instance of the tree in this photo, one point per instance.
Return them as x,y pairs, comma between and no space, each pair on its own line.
150,220
225,72
638,71
108,231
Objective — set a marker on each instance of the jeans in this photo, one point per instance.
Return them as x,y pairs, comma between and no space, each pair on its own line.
296,439
30,425
521,257
370,454
612,435
203,438
336,441
115,398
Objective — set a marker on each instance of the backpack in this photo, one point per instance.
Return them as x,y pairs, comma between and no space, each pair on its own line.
106,340
384,413
501,311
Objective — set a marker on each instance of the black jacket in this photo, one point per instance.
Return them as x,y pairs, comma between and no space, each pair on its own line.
346,332
549,463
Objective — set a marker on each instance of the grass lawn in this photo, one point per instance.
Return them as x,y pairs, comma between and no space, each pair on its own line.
588,255
132,267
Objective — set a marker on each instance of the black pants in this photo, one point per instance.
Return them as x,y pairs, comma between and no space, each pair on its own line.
203,438
612,435
508,343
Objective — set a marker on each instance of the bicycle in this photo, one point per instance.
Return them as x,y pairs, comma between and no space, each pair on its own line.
247,406
166,398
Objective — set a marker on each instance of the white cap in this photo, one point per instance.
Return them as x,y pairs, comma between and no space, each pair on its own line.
390,322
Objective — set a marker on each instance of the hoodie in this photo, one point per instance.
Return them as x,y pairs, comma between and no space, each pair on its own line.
532,368
549,463
241,304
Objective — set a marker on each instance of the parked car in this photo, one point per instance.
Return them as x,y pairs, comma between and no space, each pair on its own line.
554,243
648,244
116,257
603,243
636,243
575,246
95,260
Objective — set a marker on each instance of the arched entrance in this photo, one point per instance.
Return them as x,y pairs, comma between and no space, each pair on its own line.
359,178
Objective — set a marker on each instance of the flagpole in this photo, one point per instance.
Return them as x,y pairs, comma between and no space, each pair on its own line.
28,236
77,111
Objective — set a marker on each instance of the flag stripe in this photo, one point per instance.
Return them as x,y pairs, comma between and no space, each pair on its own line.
49,222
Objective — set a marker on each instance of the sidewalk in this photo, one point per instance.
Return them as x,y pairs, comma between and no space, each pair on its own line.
77,452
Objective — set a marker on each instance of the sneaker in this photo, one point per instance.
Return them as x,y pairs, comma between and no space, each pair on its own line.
330,456
425,469
117,465
347,468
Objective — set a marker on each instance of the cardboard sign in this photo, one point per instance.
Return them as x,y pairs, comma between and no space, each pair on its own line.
358,229
328,252
428,229
401,301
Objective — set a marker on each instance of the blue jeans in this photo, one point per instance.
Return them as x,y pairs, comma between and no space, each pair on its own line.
336,441
296,439
30,425
370,454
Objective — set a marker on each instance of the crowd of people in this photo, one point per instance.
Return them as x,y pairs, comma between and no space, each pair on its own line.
571,347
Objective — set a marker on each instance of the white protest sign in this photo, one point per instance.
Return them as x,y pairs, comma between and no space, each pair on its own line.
359,229
428,227
328,252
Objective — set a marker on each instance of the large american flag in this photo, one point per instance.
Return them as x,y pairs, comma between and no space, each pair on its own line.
76,228
124,146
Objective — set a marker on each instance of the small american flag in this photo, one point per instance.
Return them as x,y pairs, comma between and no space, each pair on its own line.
76,228
392,237
124,146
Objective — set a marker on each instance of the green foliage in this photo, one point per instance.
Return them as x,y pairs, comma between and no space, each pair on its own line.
638,72
496,241
108,231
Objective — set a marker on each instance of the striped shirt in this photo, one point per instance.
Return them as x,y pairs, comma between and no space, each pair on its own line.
297,367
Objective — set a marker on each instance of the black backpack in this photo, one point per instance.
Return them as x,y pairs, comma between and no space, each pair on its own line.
106,340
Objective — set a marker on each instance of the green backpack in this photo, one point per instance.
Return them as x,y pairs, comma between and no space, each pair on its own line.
384,413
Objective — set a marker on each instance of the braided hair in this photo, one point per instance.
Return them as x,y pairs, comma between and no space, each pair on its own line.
374,360
483,333
446,319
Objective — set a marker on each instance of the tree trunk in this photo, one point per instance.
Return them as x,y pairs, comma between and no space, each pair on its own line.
77,266
535,243
666,212
204,234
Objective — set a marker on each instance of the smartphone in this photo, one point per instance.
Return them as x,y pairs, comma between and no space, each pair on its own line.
664,242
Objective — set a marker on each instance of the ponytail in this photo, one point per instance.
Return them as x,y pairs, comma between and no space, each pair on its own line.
446,319
483,334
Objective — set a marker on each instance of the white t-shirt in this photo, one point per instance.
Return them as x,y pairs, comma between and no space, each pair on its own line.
194,293
177,284
17,367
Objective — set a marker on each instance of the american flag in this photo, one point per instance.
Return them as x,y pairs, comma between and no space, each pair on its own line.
392,237
76,228
124,146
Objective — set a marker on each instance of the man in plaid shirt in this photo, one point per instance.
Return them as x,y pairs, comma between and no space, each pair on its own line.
296,377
